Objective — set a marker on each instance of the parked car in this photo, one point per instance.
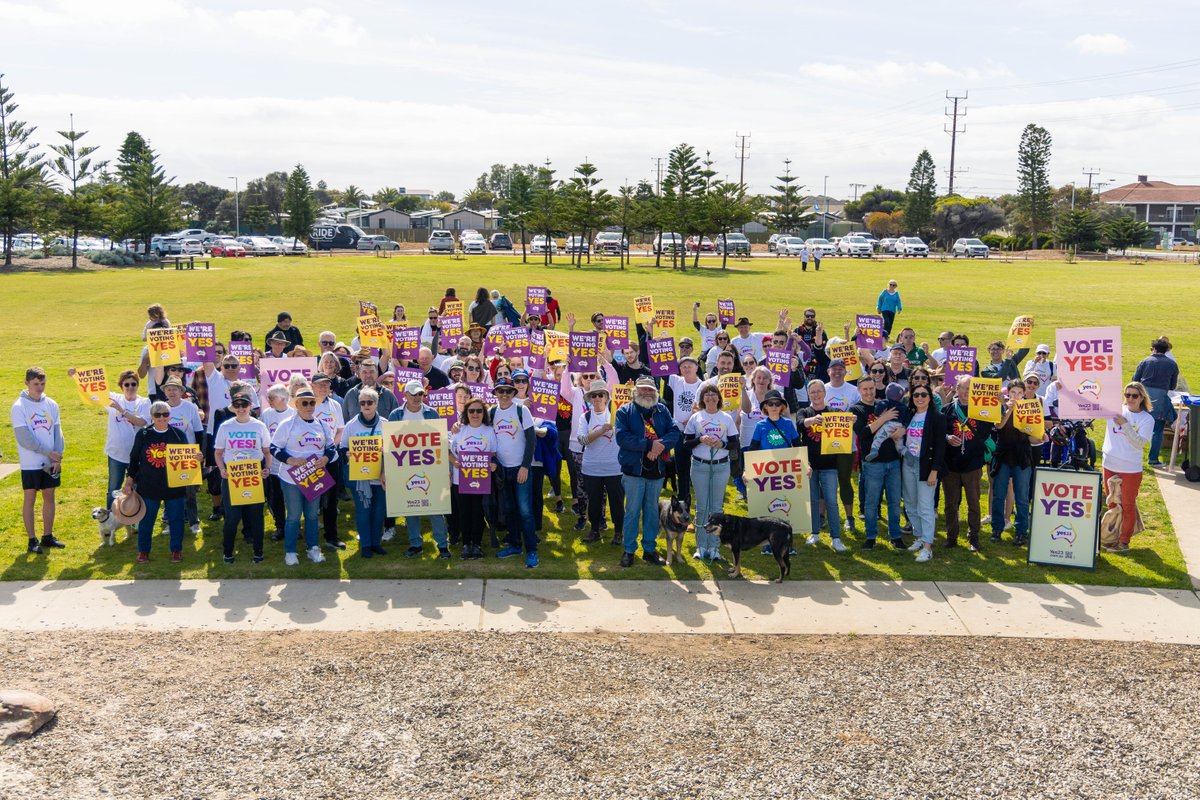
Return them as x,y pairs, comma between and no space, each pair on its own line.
335,235
83,244
835,241
734,242
259,246
1179,241
971,248
166,245
290,245
705,244
191,247
27,241
887,245
376,243
610,242
870,237
577,244
227,247
540,244
855,246
817,243
788,246
772,240
472,243
500,241
441,242
204,237
667,242
911,247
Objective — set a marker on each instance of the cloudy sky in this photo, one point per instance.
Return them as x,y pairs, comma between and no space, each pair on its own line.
427,95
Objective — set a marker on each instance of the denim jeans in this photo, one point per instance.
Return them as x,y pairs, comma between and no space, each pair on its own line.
824,486
251,519
880,477
919,499
1155,441
368,516
173,511
641,512
517,499
709,481
297,505
437,524
116,478
1020,477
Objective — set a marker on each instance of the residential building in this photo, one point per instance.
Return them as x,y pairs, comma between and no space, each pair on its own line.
1169,209
380,218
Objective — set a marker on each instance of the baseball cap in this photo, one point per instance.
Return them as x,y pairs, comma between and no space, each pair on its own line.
504,383
645,382
320,377
242,394
894,392
1043,348
414,387
838,362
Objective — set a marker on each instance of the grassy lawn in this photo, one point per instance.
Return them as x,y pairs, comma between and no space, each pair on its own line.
59,320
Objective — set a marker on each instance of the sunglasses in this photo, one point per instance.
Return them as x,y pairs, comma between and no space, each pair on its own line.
722,339
773,404
306,403
133,385
1132,396
520,380
915,395
160,415
417,394
474,410
229,366
810,316
504,390
590,376
366,403
328,344
876,372
241,404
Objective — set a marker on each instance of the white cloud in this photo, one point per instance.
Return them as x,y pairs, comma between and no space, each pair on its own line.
1100,43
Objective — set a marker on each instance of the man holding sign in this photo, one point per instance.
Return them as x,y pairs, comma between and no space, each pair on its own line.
148,473
363,438
1011,463
240,440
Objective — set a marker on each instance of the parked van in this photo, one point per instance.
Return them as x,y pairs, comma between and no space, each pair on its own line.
336,236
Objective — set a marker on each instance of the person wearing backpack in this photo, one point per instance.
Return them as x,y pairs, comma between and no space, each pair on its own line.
515,444
601,469
505,307
969,447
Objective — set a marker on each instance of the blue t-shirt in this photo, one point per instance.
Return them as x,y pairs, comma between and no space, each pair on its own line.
775,435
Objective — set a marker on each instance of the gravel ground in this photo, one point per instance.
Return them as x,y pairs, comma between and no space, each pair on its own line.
308,715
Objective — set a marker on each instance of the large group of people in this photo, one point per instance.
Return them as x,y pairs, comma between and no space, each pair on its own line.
915,446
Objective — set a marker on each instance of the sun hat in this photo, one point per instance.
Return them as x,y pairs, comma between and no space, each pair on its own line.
173,381
772,396
128,508
597,387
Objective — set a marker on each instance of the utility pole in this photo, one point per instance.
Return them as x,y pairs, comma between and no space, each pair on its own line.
237,211
658,180
825,201
741,157
953,130
856,187
1090,171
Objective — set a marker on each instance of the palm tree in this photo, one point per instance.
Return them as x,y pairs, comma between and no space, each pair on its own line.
351,196
387,197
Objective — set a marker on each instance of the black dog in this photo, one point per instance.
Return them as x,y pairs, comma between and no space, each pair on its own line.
743,533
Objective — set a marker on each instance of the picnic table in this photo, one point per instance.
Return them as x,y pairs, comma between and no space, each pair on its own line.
182,262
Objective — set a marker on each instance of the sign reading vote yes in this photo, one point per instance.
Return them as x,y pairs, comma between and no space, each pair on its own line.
280,370
1066,518
416,466
776,486
1089,366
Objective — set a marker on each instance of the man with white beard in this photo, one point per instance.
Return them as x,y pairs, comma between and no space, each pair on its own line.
646,435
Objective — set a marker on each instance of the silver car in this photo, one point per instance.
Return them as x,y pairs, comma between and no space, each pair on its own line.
971,248
376,243
788,246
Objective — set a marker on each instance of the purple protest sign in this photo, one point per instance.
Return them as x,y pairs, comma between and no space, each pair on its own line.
442,401
516,342
403,376
616,333
780,364
493,340
483,392
244,351
311,480
870,331
474,473
663,361
451,328
535,300
959,361
537,349
406,343
726,313
585,351
200,341
543,399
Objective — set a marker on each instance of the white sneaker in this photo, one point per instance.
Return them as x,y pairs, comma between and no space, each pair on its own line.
290,559
926,554
196,529
388,534
698,555
915,546
315,555
837,546
849,525
812,539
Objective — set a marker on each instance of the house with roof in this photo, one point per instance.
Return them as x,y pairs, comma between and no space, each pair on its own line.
1168,208
380,219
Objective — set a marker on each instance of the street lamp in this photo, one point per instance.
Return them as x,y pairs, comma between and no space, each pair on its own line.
237,211
825,201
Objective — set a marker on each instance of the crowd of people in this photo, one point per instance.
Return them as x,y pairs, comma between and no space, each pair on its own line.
914,445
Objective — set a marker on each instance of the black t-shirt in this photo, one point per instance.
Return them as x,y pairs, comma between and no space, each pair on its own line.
628,374
974,433
812,439
437,379
148,462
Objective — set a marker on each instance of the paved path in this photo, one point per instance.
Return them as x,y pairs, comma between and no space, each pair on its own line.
799,607
1182,499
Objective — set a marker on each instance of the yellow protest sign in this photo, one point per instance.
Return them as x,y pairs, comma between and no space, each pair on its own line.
837,433
984,402
731,391
556,346
183,465
366,458
92,384
245,479
417,467
643,309
664,322
372,333
622,393
165,346
1020,334
1027,416
848,352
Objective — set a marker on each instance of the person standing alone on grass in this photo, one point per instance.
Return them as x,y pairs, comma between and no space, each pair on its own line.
1159,374
40,446
889,306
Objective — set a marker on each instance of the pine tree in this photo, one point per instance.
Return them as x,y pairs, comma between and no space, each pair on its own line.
516,208
1035,196
21,171
74,165
132,153
149,199
545,208
922,194
298,204
788,213
682,196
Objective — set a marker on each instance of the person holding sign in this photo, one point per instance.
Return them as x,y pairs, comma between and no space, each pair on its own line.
1004,362
600,468
710,329
515,445
364,446
474,435
709,432
128,413
924,458
968,440
414,408
823,485
242,438
298,439
1012,463
148,474
1124,437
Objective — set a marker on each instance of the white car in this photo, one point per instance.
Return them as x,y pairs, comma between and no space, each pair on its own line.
870,237
472,243
26,241
971,248
576,244
911,247
823,245
887,245
259,246
290,245
667,241
609,242
191,247
855,246
441,242
204,236
788,246
540,244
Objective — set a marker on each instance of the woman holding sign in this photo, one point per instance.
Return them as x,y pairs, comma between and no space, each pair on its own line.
299,439
823,485
127,414
924,457
242,439
148,472
709,432
600,469
1125,436
474,435
1012,462
370,500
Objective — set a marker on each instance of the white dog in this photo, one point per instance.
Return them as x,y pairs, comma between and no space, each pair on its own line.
108,525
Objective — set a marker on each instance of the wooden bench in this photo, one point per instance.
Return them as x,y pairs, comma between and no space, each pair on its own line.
182,262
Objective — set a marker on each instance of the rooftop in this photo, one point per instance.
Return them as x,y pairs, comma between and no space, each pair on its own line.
1148,191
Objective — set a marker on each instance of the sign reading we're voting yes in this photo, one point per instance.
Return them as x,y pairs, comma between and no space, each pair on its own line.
163,345
663,361
183,465
92,383
245,482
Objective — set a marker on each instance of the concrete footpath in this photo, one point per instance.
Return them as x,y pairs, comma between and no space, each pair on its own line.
706,607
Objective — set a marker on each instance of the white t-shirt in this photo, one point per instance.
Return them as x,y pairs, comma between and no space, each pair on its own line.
186,418
1120,454
271,418
579,405
749,344
40,418
600,454
121,431
301,439
330,412
749,421
708,338
1044,371
684,396
472,439
405,415
510,433
242,441
218,397
703,423
840,398
915,433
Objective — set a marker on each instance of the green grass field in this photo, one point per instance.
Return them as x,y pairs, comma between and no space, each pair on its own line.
58,320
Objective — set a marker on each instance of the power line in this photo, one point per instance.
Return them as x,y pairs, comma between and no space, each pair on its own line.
1090,171
856,187
1103,76
658,180
954,131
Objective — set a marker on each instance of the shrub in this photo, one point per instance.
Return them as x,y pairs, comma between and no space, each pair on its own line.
60,250
111,258
993,240
35,254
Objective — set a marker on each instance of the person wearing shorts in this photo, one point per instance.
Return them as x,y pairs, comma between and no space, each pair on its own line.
40,446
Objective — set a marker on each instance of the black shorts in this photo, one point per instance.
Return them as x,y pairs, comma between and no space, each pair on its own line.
39,479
